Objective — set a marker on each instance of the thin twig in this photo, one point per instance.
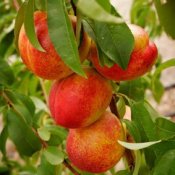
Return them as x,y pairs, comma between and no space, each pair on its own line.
67,165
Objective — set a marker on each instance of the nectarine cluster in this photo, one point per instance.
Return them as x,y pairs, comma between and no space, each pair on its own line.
80,103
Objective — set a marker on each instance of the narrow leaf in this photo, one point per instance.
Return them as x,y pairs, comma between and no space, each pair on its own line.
19,21
165,165
62,35
6,73
144,121
29,25
120,39
22,135
133,130
3,139
95,11
165,65
137,146
165,128
105,4
156,86
166,15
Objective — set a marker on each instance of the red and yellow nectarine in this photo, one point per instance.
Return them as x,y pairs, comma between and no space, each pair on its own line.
48,64
78,102
95,148
142,58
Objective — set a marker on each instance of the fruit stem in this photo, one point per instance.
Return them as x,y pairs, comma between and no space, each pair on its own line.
67,165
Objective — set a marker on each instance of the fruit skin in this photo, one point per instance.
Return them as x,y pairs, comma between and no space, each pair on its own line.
47,65
78,102
95,148
142,58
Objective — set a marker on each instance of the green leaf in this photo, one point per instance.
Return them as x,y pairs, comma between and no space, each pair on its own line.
105,4
27,102
94,10
40,105
44,133
19,21
58,131
133,130
134,89
41,4
62,35
45,166
6,73
144,122
157,90
162,147
29,25
22,135
53,155
23,105
156,86
154,114
123,172
120,39
165,165
3,139
137,146
165,128
166,15
104,59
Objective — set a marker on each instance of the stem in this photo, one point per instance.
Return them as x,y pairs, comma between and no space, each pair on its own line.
67,165
137,163
44,90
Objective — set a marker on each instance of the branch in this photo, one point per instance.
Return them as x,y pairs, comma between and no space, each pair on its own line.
67,165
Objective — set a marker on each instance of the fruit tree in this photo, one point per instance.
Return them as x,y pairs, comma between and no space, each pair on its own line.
74,84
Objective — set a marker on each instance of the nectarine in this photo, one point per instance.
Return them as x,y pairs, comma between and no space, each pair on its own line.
47,65
95,148
78,102
142,58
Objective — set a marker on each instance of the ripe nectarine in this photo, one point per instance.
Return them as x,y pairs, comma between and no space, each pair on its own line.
142,58
95,148
47,65
78,102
